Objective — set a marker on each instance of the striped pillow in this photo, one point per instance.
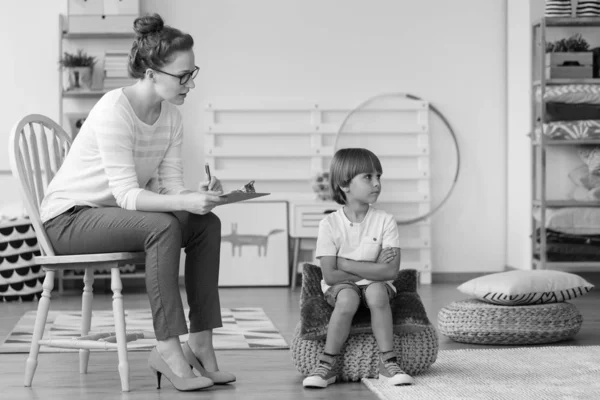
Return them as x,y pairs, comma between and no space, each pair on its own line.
588,8
517,288
558,8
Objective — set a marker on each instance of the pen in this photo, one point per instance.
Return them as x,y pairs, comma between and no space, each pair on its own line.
207,169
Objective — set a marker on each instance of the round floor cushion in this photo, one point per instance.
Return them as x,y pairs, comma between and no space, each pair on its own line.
475,321
360,356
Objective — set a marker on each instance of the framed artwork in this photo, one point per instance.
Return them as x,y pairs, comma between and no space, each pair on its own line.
254,244
75,121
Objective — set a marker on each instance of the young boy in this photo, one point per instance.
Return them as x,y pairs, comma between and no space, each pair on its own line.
358,250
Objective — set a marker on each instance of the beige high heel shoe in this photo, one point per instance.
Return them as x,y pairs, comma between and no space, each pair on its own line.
218,377
160,367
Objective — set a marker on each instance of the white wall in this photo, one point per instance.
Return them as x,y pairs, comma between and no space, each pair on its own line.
453,56
518,59
29,72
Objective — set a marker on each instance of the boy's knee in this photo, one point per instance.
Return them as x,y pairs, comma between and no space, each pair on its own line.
347,300
377,296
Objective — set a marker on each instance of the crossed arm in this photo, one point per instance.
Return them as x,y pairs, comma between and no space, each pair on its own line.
338,269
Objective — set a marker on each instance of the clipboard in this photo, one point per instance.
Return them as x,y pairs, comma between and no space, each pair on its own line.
236,196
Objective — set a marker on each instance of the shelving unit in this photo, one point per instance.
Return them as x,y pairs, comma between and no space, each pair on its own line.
79,102
540,145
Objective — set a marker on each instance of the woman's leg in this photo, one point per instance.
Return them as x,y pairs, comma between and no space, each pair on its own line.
201,235
105,230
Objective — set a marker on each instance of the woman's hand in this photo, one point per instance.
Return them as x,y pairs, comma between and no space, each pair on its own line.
201,203
214,185
386,255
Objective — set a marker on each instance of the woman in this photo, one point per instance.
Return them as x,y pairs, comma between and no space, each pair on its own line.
121,189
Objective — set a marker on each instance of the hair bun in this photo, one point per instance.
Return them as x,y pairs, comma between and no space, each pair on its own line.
148,24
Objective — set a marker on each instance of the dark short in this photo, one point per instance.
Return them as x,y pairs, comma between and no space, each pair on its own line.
333,291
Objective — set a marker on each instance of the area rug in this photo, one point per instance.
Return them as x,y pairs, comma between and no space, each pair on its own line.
243,328
562,372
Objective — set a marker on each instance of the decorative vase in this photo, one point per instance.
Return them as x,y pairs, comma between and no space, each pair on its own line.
77,78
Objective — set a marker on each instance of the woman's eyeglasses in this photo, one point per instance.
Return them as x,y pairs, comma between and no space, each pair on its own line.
183,78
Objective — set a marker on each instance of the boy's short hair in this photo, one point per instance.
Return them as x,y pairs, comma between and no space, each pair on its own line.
345,165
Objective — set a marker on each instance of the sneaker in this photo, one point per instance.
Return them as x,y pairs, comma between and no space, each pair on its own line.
390,372
323,375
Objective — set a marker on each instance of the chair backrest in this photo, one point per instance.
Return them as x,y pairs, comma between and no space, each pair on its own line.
37,149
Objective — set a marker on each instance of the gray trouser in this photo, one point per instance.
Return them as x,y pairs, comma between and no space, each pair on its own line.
85,230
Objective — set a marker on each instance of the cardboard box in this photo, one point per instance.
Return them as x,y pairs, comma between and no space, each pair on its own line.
103,7
100,23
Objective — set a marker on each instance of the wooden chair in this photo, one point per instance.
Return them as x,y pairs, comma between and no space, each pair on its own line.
37,148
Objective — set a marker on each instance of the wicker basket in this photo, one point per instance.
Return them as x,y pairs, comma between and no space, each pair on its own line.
360,355
478,322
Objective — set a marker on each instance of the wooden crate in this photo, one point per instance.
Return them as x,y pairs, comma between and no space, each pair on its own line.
569,65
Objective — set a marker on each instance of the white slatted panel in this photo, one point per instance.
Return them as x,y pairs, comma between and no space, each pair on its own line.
282,143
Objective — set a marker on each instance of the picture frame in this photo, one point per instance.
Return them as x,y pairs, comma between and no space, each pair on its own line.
254,244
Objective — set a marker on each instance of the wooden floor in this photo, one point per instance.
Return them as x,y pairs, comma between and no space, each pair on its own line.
262,374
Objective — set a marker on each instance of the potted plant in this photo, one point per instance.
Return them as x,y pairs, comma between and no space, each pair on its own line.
320,185
569,58
77,70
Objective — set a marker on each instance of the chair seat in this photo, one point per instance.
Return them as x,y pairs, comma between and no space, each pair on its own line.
66,260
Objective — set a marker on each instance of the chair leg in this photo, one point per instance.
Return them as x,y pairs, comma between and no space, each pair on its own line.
119,316
295,262
38,329
86,316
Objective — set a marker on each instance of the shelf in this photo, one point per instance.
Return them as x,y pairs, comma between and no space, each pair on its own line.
567,142
99,35
568,264
568,21
84,93
569,81
567,203
106,276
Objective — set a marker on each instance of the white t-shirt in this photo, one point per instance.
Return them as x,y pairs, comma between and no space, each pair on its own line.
115,156
363,241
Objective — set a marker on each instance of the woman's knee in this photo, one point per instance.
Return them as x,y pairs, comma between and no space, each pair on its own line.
213,222
164,225
376,295
347,301
208,222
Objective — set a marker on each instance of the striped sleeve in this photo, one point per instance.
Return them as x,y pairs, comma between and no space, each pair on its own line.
170,170
114,135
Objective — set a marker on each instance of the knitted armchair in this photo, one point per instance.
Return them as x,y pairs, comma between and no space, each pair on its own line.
415,338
